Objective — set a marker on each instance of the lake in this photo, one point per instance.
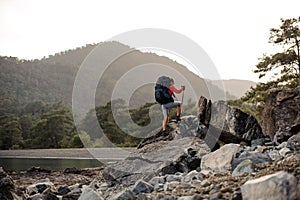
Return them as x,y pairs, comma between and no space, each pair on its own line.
20,164
60,159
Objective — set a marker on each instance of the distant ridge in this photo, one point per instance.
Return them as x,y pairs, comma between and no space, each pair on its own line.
236,87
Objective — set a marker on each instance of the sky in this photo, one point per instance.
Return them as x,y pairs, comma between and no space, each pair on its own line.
233,33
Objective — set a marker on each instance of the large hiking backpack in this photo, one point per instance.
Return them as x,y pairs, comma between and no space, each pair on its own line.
163,94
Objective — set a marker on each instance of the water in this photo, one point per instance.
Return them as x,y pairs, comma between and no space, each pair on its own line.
19,164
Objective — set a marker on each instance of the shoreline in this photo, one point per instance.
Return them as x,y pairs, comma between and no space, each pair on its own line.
60,159
70,153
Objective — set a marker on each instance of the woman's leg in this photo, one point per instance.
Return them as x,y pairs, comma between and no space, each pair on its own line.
178,110
165,121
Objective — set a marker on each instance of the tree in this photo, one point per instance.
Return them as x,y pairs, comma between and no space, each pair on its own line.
10,132
284,66
50,130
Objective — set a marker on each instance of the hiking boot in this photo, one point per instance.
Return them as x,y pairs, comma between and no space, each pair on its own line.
178,119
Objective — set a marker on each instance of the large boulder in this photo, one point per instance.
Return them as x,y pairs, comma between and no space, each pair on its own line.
221,159
281,115
234,124
164,157
280,185
214,121
220,121
204,110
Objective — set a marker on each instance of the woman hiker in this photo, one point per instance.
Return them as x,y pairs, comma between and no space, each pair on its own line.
167,106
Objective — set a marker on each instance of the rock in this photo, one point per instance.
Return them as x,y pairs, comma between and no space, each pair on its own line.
171,178
104,187
62,190
261,149
50,196
72,170
219,121
234,124
282,145
7,187
168,187
142,187
40,187
216,196
38,169
75,189
157,180
156,136
6,184
124,195
244,167
281,114
206,172
284,151
185,186
36,197
142,197
46,196
90,194
274,155
187,127
202,132
237,195
195,197
205,183
166,159
186,198
70,196
280,185
204,111
163,197
255,157
193,175
159,187
221,159
293,142
258,142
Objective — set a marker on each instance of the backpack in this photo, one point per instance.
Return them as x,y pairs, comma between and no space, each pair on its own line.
162,93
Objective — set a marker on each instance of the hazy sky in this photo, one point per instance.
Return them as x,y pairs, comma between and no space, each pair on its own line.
234,33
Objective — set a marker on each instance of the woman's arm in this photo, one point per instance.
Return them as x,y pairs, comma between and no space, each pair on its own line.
174,89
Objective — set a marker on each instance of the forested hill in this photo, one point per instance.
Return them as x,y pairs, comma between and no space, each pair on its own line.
47,79
51,79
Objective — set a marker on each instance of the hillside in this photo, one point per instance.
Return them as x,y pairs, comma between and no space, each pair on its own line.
51,79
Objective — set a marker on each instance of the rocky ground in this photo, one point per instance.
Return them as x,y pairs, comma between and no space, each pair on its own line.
220,154
220,181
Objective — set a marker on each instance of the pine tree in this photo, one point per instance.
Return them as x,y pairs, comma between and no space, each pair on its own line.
284,66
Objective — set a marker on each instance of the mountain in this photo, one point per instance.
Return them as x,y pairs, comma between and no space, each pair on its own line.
52,78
